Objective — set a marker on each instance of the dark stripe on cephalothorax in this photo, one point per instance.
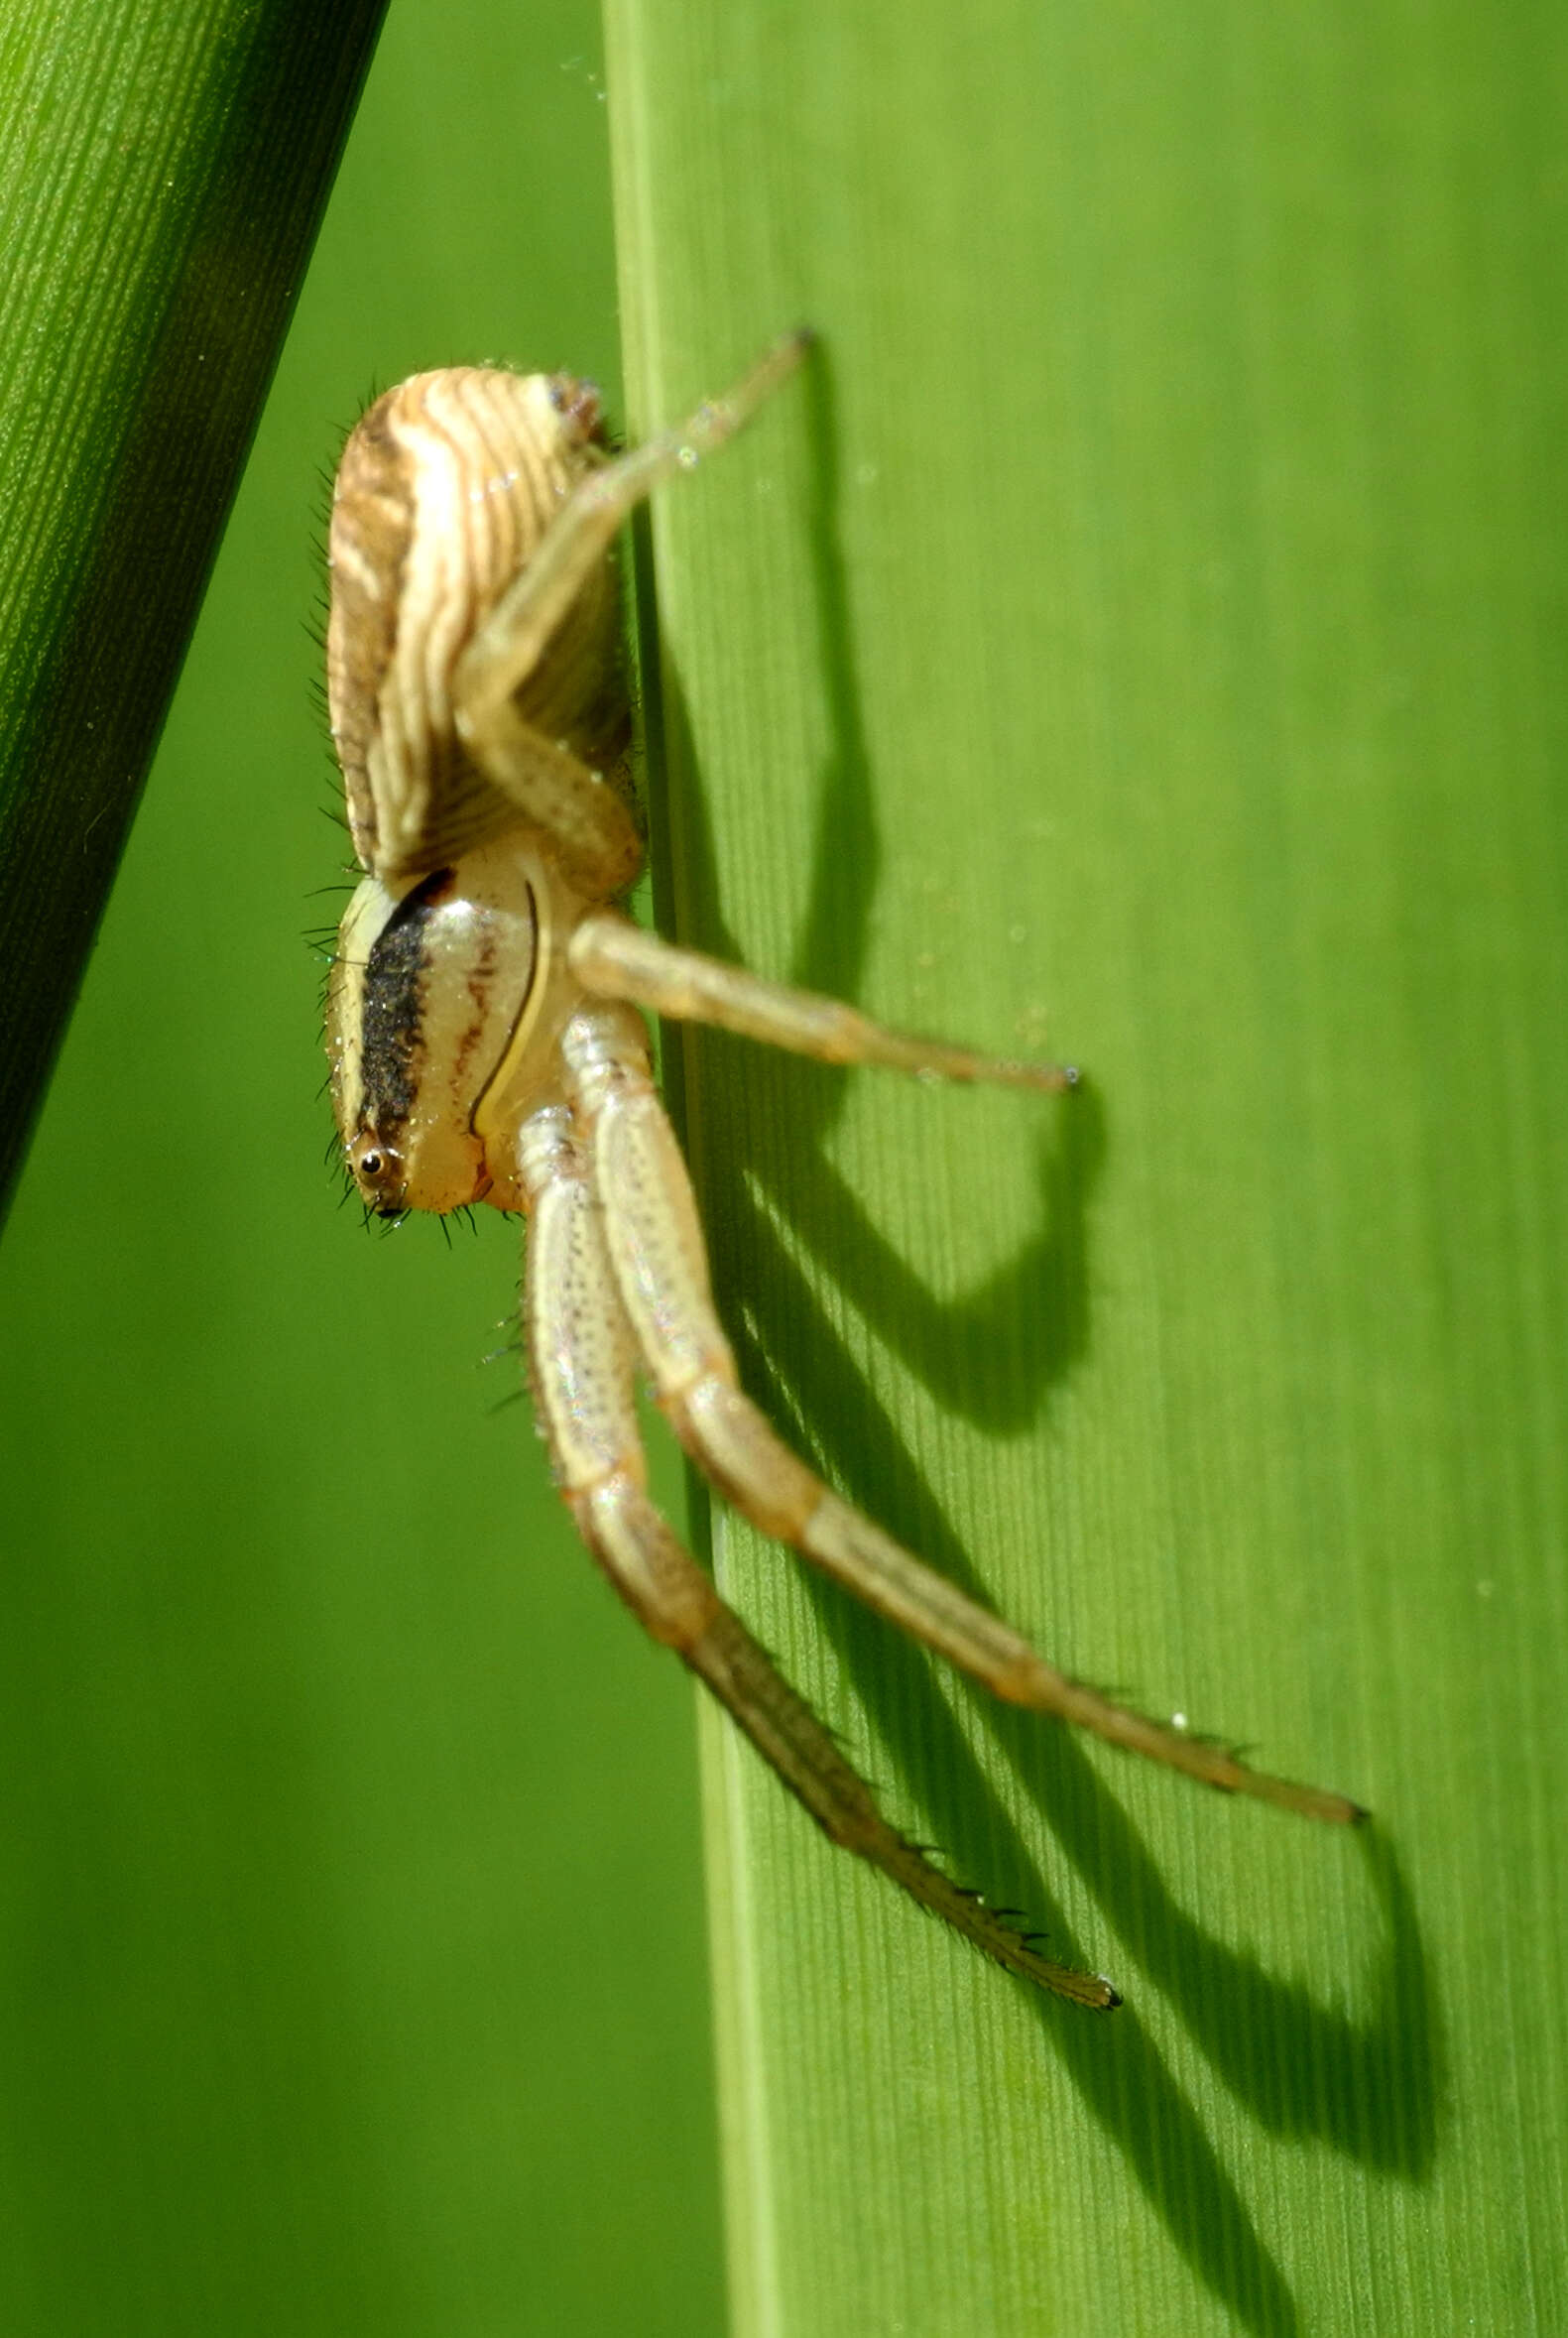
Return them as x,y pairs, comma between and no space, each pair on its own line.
390,1014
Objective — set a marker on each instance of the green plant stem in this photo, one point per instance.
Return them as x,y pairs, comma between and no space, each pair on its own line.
162,176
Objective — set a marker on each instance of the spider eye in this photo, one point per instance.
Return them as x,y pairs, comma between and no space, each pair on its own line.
378,1170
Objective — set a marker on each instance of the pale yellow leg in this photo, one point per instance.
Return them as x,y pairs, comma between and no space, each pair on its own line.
655,1245
580,1358
590,824
616,960
509,642
588,821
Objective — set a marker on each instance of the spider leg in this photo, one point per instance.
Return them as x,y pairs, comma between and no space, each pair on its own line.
580,1355
660,1259
513,638
588,821
615,959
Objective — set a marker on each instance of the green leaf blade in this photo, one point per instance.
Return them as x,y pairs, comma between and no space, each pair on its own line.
1139,638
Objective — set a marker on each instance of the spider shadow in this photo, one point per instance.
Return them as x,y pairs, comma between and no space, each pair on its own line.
1365,2085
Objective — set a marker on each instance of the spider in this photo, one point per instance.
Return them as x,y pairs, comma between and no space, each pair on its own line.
486,1044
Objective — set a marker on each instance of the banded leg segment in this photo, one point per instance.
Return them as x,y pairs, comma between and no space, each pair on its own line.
581,1359
616,960
660,1259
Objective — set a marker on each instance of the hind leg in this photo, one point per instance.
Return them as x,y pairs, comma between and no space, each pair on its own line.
580,1352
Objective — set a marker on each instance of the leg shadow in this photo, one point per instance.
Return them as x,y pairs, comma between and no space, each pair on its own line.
1367,2086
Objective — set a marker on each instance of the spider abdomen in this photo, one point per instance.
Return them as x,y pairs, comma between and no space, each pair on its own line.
447,486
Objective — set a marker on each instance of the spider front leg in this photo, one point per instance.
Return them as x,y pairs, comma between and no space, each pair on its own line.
584,818
588,821
580,1354
659,1260
513,638
615,959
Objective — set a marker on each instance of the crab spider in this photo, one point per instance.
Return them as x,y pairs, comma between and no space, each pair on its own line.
486,1044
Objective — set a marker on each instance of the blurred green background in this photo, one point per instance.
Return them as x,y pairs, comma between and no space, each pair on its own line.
349,1890
1143,629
